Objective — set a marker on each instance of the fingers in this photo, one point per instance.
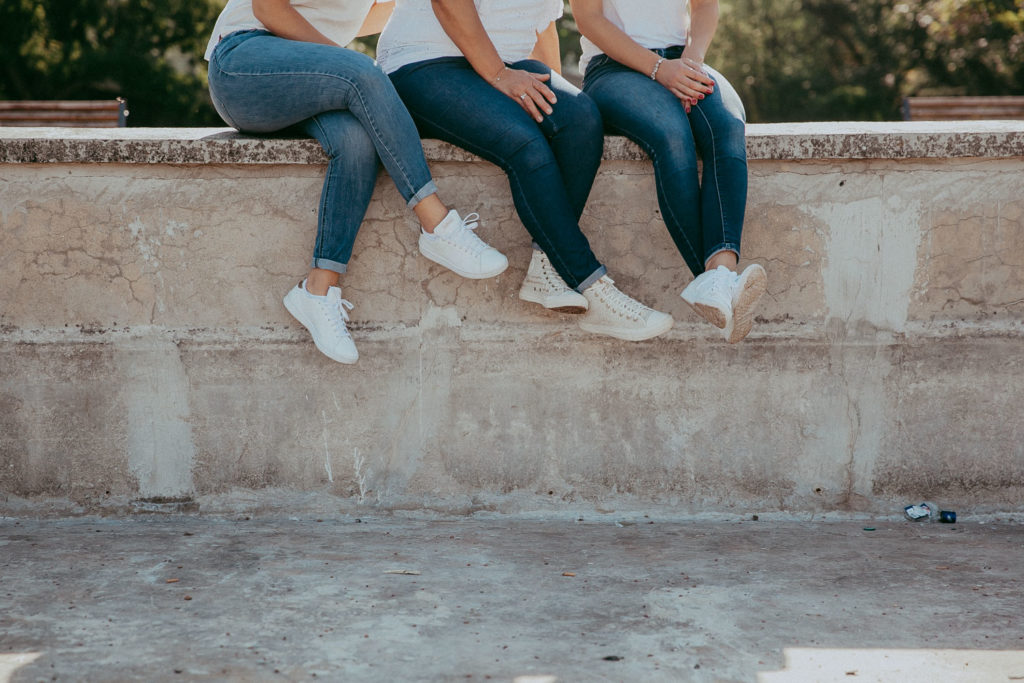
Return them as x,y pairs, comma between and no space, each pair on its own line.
529,90
697,72
544,90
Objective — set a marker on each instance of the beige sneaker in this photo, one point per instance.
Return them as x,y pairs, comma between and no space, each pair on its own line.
543,285
618,315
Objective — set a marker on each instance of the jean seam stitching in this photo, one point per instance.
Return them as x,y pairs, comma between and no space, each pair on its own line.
324,193
718,189
652,153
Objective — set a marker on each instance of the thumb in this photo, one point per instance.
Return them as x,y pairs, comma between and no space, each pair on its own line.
540,77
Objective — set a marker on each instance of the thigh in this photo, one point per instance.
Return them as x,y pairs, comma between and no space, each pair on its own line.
643,110
574,110
450,101
728,100
265,83
718,121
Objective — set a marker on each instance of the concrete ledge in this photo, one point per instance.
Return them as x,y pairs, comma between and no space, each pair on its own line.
144,350
777,141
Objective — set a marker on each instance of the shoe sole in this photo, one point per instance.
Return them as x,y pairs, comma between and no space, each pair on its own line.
754,286
710,313
440,260
347,360
571,308
629,334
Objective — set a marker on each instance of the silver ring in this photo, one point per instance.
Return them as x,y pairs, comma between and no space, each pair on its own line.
523,97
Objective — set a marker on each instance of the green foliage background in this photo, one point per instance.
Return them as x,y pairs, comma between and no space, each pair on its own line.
791,60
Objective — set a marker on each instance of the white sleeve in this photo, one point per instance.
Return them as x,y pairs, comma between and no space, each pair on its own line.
553,12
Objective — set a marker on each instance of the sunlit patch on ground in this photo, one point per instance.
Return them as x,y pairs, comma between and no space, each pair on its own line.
907,666
12,661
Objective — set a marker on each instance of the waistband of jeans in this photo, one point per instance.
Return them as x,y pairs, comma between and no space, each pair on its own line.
670,52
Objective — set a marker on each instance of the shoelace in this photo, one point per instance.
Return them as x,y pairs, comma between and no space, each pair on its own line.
466,238
336,313
622,301
554,280
721,286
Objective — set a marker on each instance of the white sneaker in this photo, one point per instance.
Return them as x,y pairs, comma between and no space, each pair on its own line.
710,295
543,285
455,246
618,315
324,317
747,290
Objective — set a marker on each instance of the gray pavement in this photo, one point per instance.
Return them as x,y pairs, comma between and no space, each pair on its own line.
616,598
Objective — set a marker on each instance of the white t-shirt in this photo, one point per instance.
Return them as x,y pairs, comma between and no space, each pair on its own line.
339,20
651,23
414,34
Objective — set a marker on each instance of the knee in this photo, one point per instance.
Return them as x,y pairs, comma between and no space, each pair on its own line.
580,116
365,73
527,151
343,137
673,145
733,133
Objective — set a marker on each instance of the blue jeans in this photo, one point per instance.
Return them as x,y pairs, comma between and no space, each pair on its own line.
260,83
551,165
703,218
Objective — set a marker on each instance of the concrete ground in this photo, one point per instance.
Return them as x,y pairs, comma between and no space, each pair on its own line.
608,598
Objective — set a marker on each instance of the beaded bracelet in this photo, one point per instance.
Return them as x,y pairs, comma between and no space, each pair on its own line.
657,65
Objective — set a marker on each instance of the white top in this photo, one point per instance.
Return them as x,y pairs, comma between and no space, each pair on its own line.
414,34
339,20
651,23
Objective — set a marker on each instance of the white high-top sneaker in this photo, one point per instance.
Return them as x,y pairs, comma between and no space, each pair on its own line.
710,295
324,317
543,285
747,289
455,246
618,315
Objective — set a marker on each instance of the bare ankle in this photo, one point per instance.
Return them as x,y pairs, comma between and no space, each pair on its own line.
430,211
319,281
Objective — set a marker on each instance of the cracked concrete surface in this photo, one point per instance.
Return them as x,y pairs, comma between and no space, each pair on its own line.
603,596
884,364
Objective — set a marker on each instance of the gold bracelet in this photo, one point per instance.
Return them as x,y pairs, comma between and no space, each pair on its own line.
498,77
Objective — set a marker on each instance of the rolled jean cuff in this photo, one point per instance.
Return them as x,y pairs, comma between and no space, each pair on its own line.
424,192
724,246
592,278
327,264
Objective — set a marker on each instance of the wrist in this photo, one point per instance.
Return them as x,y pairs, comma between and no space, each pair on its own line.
693,55
496,78
653,73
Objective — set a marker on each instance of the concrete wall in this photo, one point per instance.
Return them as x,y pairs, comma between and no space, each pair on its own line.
144,351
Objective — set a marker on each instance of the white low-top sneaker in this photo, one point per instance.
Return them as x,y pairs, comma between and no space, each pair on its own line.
325,318
710,295
543,285
455,246
748,287
617,315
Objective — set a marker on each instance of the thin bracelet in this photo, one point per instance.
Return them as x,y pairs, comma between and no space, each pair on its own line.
498,77
657,65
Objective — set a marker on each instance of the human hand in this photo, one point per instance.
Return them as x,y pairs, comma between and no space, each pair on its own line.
528,90
686,79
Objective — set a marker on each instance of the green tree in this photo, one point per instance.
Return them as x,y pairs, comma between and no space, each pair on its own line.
806,60
791,60
147,51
